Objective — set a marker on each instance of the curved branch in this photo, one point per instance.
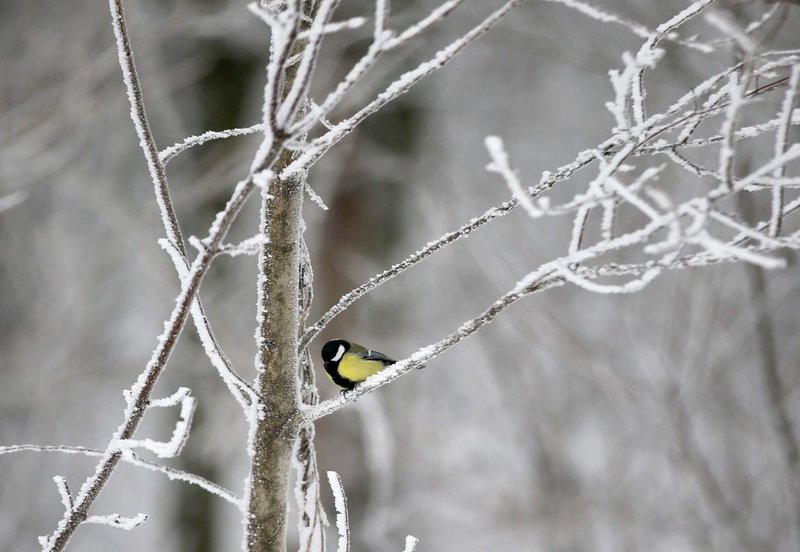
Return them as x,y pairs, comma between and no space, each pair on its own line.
168,154
422,356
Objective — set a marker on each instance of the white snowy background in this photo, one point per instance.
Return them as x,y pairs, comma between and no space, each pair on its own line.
574,422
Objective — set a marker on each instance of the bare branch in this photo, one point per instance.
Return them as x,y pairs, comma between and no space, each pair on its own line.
637,28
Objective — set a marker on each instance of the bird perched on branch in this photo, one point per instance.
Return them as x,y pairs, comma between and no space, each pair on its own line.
348,363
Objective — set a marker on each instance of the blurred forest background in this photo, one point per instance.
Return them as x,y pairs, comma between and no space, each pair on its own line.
575,422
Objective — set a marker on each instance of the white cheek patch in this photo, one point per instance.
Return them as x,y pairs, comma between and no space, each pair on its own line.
339,354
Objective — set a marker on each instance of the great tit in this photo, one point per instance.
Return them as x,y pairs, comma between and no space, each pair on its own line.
349,363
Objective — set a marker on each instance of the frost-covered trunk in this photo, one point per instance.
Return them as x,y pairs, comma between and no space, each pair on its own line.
276,360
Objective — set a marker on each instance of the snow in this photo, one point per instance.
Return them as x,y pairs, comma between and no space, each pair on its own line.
437,14
167,154
346,25
262,178
619,184
173,447
63,491
319,146
118,521
500,165
315,197
411,544
342,519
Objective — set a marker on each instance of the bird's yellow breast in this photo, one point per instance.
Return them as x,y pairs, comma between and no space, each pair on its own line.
357,369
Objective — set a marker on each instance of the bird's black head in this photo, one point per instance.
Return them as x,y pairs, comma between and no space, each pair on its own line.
333,350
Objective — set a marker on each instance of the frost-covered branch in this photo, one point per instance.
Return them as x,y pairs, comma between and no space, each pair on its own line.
118,521
143,386
135,460
250,246
351,297
168,154
156,166
669,228
317,147
330,28
112,520
435,16
648,54
781,139
271,439
383,41
301,79
185,301
63,491
651,128
501,166
173,447
425,354
638,29
342,515
311,517
548,179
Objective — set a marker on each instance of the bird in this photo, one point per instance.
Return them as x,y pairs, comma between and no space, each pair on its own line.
348,363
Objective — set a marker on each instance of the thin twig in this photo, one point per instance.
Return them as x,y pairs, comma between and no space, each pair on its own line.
167,154
135,460
342,515
781,139
316,148
647,51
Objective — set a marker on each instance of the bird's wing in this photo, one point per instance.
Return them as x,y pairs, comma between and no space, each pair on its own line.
375,355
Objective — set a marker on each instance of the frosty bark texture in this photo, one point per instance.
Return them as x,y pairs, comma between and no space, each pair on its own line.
277,382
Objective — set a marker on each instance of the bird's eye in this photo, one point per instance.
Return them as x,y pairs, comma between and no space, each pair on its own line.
338,356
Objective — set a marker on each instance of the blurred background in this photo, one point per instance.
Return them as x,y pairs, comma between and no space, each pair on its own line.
575,422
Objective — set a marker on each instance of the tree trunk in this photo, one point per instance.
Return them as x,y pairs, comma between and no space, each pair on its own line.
276,360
